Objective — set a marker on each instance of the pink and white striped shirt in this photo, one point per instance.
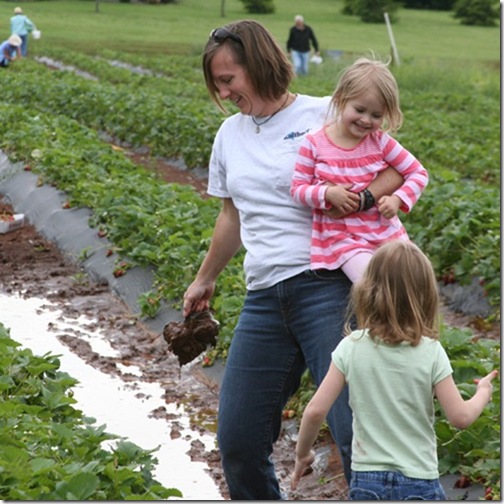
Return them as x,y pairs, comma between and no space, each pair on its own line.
319,161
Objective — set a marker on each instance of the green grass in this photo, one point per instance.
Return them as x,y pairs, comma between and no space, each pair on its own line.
183,27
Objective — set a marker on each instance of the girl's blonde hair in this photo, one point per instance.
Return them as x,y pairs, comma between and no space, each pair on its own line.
365,74
397,298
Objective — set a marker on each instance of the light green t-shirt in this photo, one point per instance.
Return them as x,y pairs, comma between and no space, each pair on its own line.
392,399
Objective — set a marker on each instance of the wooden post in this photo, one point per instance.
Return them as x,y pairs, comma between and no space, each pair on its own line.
395,54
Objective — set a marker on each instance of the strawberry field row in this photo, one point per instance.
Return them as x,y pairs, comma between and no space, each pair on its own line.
50,450
170,125
457,220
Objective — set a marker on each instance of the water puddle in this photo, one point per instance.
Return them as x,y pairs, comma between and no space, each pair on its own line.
61,66
133,69
122,407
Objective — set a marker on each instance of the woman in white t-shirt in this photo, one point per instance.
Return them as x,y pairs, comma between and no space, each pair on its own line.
292,316
394,365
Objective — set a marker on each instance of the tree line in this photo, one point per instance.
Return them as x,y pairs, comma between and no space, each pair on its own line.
469,12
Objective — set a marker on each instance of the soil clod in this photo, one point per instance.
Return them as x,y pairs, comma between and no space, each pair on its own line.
190,338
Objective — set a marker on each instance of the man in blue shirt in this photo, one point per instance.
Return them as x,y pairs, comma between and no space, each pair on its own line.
21,26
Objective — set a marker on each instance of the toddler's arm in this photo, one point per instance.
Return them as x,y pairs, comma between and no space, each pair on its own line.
313,417
415,175
461,414
388,206
342,199
387,182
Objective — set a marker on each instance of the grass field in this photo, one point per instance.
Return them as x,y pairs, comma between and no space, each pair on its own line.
183,27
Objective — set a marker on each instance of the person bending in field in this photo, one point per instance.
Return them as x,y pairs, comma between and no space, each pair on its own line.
394,365
10,50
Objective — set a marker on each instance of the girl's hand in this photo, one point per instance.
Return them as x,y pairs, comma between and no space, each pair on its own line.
485,383
388,206
300,469
343,201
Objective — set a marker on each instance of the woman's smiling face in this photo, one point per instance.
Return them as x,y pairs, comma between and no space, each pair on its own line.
233,83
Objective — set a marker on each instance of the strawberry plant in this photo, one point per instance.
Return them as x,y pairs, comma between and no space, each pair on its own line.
50,450
458,227
149,303
475,451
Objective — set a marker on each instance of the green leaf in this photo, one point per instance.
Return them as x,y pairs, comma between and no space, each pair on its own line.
83,485
41,465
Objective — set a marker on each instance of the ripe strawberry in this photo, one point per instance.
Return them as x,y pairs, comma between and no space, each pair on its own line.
462,482
488,493
287,414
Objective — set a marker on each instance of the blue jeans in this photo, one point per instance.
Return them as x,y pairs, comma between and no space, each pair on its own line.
4,61
24,45
281,331
389,485
300,61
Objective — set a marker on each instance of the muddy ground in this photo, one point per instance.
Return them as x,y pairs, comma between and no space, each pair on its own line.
34,267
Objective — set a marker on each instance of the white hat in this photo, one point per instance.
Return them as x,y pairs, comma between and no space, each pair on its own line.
18,10
14,40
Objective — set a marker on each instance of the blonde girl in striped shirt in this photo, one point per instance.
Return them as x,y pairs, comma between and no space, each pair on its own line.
336,164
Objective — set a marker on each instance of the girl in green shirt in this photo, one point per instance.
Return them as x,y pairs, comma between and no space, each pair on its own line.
394,365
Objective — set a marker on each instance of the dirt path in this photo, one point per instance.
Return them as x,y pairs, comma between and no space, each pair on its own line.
33,266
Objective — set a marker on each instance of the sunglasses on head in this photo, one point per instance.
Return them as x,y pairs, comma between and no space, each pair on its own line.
219,35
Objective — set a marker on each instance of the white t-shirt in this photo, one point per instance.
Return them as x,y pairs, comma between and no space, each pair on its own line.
392,397
255,170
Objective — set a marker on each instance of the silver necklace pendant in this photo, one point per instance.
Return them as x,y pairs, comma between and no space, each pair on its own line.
258,124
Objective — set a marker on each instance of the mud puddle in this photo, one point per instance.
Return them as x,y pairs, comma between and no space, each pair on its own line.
126,407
